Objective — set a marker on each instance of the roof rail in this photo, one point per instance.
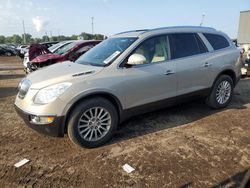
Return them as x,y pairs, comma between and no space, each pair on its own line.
161,28
140,30
183,27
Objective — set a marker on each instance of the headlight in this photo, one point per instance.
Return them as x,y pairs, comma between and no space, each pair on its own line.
49,94
23,88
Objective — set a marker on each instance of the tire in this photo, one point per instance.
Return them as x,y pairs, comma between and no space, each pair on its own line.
83,112
8,54
213,99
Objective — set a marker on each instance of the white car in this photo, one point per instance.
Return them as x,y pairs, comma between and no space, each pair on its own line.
245,70
52,49
24,50
248,54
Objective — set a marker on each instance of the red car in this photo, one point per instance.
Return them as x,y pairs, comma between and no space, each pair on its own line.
69,52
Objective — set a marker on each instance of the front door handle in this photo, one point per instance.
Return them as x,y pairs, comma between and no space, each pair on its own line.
169,72
207,64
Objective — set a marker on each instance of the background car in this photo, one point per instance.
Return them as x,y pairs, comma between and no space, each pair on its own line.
69,52
7,51
245,70
21,50
25,49
52,49
248,55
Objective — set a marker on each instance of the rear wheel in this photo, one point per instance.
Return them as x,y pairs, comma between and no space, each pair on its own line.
92,123
222,92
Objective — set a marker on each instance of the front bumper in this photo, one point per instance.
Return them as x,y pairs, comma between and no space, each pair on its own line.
55,128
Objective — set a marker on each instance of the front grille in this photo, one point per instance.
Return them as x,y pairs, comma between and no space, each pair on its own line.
23,88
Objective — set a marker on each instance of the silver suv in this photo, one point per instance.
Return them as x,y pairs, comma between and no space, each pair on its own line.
127,74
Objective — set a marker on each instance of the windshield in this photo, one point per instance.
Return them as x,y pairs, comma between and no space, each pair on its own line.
65,49
55,46
105,52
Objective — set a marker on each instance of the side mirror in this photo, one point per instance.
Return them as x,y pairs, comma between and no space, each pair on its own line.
136,59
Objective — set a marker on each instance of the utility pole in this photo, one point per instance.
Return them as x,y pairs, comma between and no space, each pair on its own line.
58,32
24,35
202,19
50,36
92,24
47,37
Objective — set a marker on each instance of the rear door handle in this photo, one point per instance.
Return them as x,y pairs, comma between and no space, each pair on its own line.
207,64
169,72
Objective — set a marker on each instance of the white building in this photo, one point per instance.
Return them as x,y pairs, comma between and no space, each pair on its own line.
244,30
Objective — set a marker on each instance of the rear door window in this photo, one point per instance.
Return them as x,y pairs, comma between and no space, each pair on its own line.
217,41
185,44
202,46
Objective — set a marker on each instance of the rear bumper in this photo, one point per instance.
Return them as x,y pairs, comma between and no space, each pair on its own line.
55,129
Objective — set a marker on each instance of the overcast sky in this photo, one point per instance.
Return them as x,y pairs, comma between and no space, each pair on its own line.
112,16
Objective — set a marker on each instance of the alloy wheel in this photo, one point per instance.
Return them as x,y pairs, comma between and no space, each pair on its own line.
94,124
223,92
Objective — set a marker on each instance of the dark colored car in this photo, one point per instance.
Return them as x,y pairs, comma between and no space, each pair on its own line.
7,51
69,52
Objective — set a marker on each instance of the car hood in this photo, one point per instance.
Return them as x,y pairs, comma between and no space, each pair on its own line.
46,57
61,72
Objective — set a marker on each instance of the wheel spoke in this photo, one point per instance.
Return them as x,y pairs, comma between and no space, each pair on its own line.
101,127
102,120
87,116
99,131
106,113
96,112
85,136
100,113
91,113
95,134
84,130
91,134
83,121
105,124
82,126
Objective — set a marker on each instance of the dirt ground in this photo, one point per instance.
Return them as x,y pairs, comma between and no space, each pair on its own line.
185,146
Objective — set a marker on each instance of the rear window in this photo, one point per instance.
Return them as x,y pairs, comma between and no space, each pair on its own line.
185,44
217,41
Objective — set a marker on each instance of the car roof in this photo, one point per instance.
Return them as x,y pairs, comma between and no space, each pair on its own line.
145,32
78,42
53,42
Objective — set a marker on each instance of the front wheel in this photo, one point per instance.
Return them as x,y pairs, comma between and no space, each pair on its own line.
222,92
92,122
8,54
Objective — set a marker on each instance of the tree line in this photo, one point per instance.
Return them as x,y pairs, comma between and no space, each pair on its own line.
17,39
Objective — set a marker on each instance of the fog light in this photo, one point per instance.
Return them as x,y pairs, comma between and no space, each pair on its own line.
42,119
